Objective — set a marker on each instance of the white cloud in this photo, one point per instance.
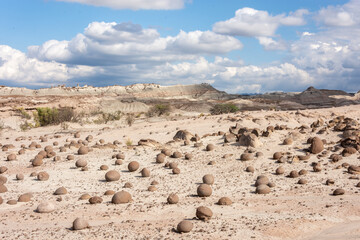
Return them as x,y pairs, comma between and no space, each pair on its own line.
133,4
16,67
232,76
331,56
270,44
346,15
126,43
254,23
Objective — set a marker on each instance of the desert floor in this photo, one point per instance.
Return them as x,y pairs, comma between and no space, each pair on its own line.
289,211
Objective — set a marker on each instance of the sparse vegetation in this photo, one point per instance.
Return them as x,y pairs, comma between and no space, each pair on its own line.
158,110
107,117
224,108
26,126
23,113
51,116
64,126
129,142
130,119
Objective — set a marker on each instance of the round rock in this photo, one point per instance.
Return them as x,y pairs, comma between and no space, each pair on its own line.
204,190
204,213
112,175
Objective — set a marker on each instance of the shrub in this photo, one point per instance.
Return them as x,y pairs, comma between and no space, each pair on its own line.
129,142
23,113
107,117
224,108
26,126
51,116
130,119
158,110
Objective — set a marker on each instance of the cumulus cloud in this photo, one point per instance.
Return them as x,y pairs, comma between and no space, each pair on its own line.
270,44
332,56
16,67
233,76
255,23
346,15
133,4
126,43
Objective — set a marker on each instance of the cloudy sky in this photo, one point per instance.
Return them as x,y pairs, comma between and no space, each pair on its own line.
239,46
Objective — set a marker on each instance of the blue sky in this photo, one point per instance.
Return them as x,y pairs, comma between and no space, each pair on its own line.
239,46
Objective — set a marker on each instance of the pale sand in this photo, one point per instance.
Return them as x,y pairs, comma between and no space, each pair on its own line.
290,211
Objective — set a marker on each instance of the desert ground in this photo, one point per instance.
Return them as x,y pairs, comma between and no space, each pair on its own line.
289,210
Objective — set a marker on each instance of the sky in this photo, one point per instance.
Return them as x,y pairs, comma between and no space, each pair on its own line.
238,46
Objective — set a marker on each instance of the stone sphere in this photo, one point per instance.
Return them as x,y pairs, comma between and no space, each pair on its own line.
280,170
3,169
95,200
43,176
85,196
79,224
19,176
121,197
145,172
293,174
104,167
204,213
261,180
118,162
133,166
302,181
60,191
316,146
246,157
45,207
339,191
288,141
176,154
11,157
120,156
26,197
112,175
81,163
185,226
250,169
277,155
210,147
204,190
176,170
167,152
188,156
3,188
109,192
208,179
173,198
160,158
38,161
262,189
224,201
3,180
83,150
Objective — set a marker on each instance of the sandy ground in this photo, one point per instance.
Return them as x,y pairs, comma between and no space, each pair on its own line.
289,211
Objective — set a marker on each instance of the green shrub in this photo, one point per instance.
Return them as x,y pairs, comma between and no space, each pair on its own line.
51,116
107,117
224,108
158,110
26,126
129,142
23,113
